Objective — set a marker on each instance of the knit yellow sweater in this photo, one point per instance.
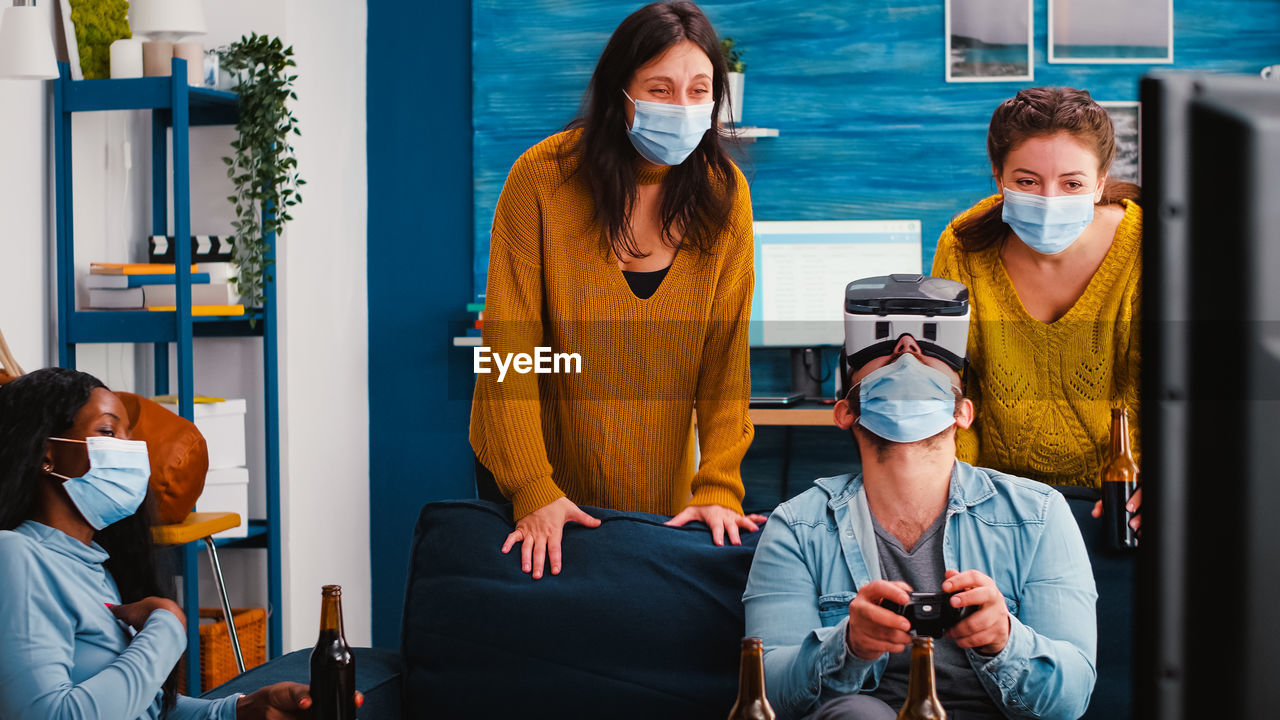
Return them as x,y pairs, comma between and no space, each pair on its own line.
619,433
1044,391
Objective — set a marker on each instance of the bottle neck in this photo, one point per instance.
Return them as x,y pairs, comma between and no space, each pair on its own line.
331,613
1119,433
921,682
751,672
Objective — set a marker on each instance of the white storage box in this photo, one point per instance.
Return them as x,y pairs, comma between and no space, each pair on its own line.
222,425
227,490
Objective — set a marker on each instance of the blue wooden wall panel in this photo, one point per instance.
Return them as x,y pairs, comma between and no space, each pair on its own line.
419,154
869,128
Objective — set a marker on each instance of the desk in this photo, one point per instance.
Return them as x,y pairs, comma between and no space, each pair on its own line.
800,414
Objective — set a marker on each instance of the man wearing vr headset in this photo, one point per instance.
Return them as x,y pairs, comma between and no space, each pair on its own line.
1006,551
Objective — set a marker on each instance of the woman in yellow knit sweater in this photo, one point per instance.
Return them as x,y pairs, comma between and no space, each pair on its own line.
1054,269
626,240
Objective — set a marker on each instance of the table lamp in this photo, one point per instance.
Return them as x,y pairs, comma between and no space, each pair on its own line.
168,20
26,44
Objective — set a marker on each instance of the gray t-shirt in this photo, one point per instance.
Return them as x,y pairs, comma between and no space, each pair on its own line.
959,689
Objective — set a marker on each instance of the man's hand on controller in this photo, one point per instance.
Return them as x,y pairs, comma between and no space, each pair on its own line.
986,629
875,630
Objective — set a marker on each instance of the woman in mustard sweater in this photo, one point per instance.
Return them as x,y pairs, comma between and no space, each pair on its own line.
1054,268
627,241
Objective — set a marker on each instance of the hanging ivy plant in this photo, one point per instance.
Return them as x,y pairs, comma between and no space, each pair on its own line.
263,167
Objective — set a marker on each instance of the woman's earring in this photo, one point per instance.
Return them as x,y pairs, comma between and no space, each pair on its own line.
48,468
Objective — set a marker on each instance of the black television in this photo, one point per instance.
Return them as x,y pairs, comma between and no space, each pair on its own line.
1208,591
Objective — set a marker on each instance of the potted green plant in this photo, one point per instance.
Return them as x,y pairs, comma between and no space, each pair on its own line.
263,168
732,111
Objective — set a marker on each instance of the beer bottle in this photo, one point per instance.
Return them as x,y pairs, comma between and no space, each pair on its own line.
752,703
1119,478
922,692
333,667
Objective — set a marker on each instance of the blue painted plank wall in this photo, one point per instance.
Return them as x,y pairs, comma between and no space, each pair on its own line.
869,128
456,91
419,151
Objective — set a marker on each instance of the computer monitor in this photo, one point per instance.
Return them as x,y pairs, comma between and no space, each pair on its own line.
1209,565
802,268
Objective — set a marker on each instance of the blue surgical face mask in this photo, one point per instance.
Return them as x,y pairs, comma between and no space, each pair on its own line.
1047,225
116,482
906,401
666,134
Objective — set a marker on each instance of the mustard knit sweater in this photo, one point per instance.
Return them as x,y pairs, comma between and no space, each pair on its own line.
618,434
1044,391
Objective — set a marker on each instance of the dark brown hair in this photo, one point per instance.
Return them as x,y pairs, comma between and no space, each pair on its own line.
1037,112
698,193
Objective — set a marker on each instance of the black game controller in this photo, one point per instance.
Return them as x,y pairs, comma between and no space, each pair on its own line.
931,614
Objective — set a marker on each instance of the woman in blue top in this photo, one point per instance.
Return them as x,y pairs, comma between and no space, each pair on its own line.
84,629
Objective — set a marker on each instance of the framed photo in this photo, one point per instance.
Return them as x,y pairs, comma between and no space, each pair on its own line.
1127,119
1103,31
989,40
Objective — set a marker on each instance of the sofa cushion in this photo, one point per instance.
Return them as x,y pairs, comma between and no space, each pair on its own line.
644,621
377,676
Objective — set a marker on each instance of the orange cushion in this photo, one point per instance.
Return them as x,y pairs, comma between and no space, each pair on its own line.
179,456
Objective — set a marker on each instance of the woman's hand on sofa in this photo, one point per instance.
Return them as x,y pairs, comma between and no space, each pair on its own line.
281,701
720,519
539,535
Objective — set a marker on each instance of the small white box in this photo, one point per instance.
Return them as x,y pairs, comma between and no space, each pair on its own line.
222,425
227,490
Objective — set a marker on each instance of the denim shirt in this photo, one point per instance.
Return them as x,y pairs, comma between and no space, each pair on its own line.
63,653
819,548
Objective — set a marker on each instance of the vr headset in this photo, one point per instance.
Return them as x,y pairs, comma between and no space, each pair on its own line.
878,311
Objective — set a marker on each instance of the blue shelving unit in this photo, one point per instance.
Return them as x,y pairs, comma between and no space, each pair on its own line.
173,104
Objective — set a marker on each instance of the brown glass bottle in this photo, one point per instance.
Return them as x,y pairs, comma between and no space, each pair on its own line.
752,703
1118,480
922,691
333,667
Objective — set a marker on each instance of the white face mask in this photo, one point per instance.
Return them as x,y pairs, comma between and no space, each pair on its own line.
666,134
906,401
116,482
1047,225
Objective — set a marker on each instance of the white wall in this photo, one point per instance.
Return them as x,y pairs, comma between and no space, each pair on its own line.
324,354
25,217
320,270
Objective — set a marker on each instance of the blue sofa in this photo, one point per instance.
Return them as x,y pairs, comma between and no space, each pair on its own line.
644,622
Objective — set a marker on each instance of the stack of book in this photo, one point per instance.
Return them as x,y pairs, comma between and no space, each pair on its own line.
153,286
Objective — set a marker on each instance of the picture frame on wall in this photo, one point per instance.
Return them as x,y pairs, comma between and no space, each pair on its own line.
1126,118
989,40
1104,31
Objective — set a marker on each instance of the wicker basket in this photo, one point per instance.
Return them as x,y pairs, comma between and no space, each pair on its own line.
217,661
